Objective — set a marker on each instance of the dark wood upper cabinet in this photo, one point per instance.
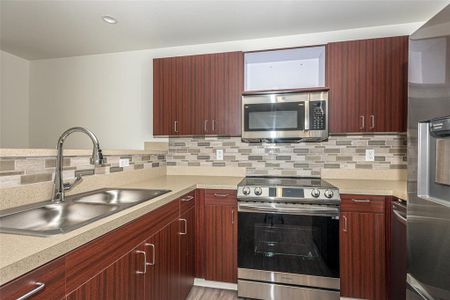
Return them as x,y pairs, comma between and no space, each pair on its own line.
368,85
198,95
363,247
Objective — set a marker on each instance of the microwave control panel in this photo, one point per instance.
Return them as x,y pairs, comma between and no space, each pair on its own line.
317,115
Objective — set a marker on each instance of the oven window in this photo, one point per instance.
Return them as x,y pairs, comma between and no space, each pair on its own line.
274,116
288,243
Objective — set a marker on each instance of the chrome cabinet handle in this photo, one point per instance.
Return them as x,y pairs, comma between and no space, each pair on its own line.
232,216
213,125
205,126
345,229
145,261
175,126
372,120
153,254
185,227
39,287
361,200
188,198
220,195
363,122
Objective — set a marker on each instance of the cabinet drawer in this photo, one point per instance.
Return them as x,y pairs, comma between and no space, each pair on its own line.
47,282
187,202
363,203
220,197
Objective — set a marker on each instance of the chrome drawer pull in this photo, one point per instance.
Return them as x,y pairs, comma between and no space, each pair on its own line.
185,227
145,262
188,198
363,122
345,229
39,287
361,200
220,195
153,254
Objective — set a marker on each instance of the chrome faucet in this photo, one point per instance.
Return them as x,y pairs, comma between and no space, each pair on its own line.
96,159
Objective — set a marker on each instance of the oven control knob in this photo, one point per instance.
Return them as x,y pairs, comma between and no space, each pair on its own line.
328,193
246,190
258,191
315,193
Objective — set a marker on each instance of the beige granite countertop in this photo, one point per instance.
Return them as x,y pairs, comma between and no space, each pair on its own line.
396,188
20,254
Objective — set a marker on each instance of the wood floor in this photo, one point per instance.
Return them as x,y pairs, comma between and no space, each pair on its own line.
202,293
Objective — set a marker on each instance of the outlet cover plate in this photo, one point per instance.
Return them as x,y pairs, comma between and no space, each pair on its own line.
370,155
124,162
219,154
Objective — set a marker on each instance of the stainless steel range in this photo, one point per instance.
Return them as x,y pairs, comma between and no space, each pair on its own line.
288,238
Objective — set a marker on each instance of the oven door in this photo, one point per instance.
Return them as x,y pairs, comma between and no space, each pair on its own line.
274,117
291,244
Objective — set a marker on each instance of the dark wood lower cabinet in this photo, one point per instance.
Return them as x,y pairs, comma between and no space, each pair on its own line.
221,235
124,279
149,258
47,282
363,247
187,252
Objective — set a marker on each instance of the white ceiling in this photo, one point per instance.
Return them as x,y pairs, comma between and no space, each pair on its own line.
49,29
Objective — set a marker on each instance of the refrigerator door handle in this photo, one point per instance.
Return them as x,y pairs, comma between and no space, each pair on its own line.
417,287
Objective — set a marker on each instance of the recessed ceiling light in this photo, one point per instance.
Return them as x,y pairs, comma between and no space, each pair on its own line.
109,20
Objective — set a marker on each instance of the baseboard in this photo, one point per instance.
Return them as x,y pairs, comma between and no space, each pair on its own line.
215,284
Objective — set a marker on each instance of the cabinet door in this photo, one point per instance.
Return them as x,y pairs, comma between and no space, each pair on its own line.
346,73
362,255
162,277
187,252
220,237
47,282
228,111
368,85
387,105
165,115
124,279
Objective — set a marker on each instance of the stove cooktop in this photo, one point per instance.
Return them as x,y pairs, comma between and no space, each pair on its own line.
285,181
287,189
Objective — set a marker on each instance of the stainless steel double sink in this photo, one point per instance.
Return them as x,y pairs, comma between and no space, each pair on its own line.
48,218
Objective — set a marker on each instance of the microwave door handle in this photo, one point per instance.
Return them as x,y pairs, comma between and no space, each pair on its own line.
307,115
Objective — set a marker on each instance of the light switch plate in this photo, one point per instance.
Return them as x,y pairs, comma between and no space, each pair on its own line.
370,155
124,162
219,154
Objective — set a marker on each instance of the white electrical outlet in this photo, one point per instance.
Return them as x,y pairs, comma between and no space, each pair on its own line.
219,154
370,155
124,162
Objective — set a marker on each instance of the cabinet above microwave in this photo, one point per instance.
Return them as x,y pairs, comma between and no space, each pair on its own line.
285,69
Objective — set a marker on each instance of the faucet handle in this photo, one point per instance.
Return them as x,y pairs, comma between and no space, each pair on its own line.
68,186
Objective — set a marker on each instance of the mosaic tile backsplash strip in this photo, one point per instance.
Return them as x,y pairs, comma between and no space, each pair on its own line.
297,159
16,171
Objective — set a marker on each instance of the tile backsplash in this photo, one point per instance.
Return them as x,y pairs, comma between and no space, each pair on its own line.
296,159
17,171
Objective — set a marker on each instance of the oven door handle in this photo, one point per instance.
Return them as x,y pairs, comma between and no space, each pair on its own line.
290,210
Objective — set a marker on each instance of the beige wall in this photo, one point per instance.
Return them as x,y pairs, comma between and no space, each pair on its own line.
14,104
112,93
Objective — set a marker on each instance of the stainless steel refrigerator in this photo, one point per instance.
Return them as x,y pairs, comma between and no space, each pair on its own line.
428,213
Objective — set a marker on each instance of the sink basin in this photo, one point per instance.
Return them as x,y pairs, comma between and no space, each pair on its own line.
54,218
118,196
48,218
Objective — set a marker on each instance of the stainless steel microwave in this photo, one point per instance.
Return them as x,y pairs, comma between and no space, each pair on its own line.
290,117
